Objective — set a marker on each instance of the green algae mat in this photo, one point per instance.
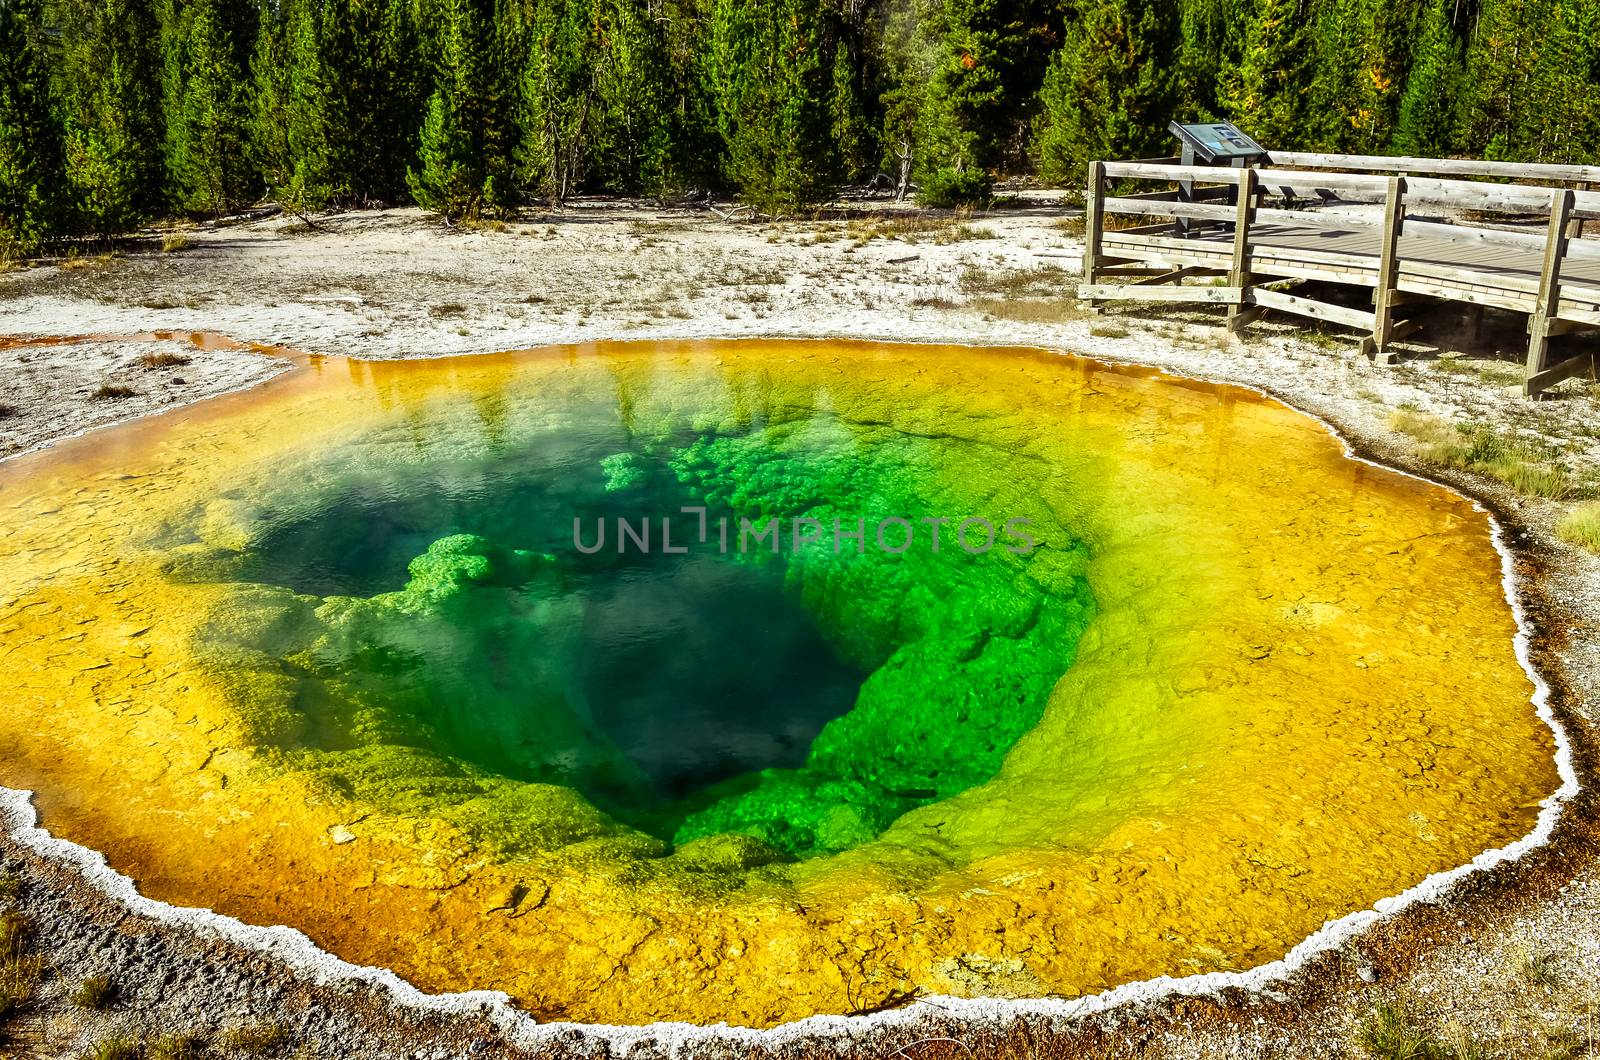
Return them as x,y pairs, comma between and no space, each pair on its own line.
746,681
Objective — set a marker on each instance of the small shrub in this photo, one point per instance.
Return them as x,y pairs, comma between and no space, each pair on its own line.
932,302
1389,1033
1581,526
114,1049
162,360
178,1046
113,392
94,992
448,309
1109,331
951,187
174,242
255,1039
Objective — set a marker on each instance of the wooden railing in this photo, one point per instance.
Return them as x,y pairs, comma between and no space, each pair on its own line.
1210,202
1401,165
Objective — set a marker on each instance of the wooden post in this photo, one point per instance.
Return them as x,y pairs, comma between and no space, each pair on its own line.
1093,224
1383,296
1240,314
1546,305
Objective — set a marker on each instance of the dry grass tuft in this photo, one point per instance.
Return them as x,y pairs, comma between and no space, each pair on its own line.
910,228
20,971
1029,310
651,227
113,392
75,261
162,360
1017,283
181,1045
173,242
255,1039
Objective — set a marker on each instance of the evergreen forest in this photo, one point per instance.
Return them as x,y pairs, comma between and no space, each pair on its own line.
114,112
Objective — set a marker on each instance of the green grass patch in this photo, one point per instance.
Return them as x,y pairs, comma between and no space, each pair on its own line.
1581,526
255,1039
181,1045
113,1049
1527,466
1390,1033
94,992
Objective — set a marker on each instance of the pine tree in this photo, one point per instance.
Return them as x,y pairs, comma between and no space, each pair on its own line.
368,99
1111,89
1266,93
851,130
464,154
1334,118
30,134
375,97
964,81
1531,90
908,51
996,53
110,84
1427,115
558,90
771,89
1213,40
697,146
290,131
208,115
634,130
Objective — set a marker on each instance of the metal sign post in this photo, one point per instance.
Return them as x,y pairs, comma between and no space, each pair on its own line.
1212,144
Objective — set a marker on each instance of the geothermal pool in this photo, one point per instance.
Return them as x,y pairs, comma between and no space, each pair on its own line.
379,651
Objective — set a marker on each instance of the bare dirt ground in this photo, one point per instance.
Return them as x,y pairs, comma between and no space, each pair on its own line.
1507,966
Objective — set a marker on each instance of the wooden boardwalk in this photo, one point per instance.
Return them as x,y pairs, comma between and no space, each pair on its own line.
1224,232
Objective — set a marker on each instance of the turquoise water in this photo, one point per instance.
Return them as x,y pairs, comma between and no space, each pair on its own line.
421,612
